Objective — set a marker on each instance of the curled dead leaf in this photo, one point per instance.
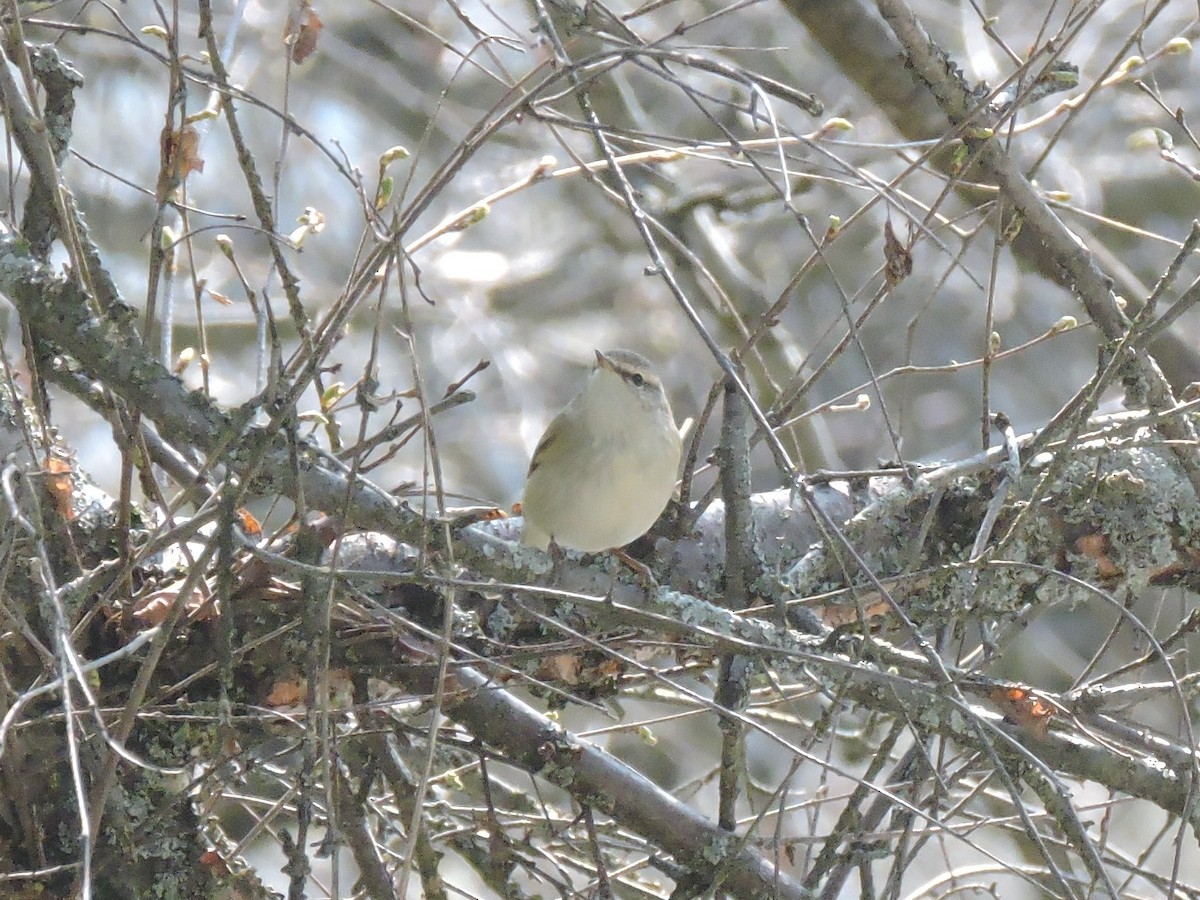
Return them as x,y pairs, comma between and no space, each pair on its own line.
153,608
303,31
1025,708
899,262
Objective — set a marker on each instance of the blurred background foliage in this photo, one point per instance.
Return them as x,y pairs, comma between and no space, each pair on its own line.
794,221
557,269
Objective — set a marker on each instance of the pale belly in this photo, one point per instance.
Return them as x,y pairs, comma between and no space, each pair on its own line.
598,510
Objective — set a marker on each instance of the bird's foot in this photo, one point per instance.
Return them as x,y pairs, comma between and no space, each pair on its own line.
641,571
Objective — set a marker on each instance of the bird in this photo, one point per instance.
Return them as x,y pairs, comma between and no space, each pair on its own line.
606,465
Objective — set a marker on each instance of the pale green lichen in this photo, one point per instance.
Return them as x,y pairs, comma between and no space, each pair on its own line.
717,848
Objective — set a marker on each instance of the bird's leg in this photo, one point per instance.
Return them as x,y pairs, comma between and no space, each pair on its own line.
641,571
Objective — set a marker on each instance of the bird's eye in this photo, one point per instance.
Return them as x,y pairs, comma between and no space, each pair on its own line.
638,380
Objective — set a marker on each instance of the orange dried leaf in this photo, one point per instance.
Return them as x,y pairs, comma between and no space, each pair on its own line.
60,486
250,525
1024,707
286,692
609,668
845,613
1096,546
180,157
302,34
152,609
213,862
183,152
1093,545
563,667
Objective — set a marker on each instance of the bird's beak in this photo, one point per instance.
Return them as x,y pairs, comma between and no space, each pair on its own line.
604,362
